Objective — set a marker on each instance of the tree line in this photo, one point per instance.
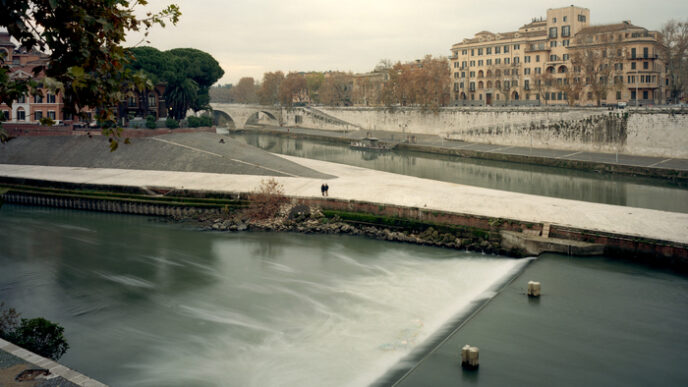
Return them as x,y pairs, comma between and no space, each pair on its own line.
421,83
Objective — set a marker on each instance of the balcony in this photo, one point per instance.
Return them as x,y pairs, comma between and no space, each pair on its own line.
643,57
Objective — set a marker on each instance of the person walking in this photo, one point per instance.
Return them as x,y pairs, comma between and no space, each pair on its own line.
322,189
327,190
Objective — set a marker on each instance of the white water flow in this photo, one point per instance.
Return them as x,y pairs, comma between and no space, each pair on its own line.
297,322
150,304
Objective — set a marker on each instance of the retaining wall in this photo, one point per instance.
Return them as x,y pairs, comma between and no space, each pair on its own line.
642,132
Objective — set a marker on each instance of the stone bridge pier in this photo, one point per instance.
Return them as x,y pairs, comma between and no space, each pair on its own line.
238,115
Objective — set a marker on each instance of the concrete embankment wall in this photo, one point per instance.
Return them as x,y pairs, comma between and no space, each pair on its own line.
479,231
645,132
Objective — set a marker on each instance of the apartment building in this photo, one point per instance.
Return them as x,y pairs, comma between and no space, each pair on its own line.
560,59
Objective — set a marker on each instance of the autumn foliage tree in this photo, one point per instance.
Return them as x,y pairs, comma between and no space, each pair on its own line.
266,201
423,83
245,91
268,94
293,89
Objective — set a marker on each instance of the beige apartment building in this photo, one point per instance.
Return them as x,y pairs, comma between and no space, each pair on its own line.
561,59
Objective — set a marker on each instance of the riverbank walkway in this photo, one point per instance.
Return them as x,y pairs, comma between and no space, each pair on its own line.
489,151
360,184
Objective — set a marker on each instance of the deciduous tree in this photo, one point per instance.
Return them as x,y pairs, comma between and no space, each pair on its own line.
293,89
84,41
270,87
245,91
674,38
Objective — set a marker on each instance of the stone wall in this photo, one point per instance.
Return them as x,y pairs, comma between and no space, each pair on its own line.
645,132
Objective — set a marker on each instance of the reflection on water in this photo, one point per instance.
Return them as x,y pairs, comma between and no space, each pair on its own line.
530,179
150,304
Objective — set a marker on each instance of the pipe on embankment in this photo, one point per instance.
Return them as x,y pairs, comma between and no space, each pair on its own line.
500,235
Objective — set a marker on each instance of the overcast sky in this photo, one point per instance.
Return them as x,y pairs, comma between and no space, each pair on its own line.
250,37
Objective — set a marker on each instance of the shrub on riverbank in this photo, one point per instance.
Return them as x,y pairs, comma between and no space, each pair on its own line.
37,335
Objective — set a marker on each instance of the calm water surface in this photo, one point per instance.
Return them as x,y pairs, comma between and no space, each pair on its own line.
150,304
530,179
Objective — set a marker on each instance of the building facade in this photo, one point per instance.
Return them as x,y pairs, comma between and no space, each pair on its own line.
561,59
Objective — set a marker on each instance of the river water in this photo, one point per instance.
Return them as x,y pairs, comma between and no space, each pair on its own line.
530,179
146,303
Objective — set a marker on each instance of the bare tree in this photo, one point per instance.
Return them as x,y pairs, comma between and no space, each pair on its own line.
336,89
674,39
542,84
293,89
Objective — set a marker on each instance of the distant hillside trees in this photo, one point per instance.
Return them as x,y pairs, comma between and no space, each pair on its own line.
187,74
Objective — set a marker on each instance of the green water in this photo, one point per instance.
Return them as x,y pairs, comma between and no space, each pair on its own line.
146,303
530,179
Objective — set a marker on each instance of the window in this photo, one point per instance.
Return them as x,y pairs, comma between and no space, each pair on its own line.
471,86
472,74
51,98
645,94
461,85
151,100
526,59
498,50
581,18
464,52
488,51
645,52
21,99
516,60
517,46
632,65
38,98
565,31
498,61
526,71
646,65
472,63
488,62
5,115
553,33
537,58
552,58
464,64
506,49
538,71
463,74
37,116
507,60
633,53
565,43
565,57
456,74
554,20
480,51
480,62
565,18
472,52
51,115
526,84
618,95
21,115
553,43
506,71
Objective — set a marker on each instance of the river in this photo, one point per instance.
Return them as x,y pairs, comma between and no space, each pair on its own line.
147,303
563,183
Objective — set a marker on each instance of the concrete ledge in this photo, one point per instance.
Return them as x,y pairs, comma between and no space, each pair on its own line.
53,367
536,245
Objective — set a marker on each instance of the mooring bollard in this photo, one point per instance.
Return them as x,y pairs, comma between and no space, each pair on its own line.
533,289
469,357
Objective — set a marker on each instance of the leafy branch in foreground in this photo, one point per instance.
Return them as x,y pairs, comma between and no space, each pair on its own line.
86,59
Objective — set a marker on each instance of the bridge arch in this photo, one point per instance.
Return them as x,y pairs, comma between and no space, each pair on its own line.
241,115
222,119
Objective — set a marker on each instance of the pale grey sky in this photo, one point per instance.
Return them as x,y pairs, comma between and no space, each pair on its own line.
250,37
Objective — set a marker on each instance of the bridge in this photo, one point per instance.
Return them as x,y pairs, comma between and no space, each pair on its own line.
238,115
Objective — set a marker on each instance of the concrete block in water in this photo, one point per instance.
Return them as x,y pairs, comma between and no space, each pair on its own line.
533,289
470,357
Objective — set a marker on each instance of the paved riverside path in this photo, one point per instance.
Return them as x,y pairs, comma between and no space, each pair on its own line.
487,149
354,183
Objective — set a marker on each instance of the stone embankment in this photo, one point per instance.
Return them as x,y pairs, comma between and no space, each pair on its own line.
313,220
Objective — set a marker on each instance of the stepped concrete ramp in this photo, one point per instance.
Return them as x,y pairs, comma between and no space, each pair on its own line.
360,184
184,152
